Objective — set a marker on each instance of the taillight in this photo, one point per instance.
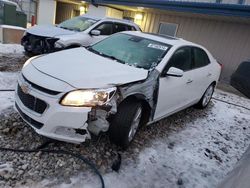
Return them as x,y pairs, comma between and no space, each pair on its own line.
221,65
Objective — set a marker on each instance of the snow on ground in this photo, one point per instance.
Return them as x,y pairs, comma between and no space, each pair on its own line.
11,49
6,167
200,155
7,81
12,27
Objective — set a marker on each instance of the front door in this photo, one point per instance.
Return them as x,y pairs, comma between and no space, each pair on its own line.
175,92
106,29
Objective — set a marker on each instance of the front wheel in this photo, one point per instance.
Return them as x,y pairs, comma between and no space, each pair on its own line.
204,101
125,123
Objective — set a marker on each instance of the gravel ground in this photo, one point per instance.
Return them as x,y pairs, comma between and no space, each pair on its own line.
11,63
18,169
26,168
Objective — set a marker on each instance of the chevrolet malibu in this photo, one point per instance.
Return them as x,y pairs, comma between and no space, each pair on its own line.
127,80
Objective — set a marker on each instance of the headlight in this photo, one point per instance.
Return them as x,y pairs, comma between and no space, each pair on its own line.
88,98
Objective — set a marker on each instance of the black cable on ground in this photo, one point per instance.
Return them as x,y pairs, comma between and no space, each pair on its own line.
89,163
230,103
7,90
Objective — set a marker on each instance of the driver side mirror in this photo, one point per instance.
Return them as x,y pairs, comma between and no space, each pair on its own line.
95,32
174,72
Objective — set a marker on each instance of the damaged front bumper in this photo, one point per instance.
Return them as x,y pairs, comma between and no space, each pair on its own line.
64,123
39,45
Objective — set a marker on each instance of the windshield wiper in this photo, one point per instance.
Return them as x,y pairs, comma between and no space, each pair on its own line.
68,28
105,55
113,58
92,50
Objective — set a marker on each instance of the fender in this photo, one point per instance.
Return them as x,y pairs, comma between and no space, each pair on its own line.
146,90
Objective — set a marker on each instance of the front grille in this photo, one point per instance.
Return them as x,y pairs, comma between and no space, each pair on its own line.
31,102
38,44
48,91
33,122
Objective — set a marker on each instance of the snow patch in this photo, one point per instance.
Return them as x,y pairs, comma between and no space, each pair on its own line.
197,158
11,49
6,169
12,27
8,80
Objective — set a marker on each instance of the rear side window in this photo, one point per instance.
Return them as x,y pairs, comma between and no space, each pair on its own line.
131,28
120,28
105,28
200,58
181,59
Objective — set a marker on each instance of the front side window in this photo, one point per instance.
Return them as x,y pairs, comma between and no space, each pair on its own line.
105,28
200,58
77,24
132,50
181,59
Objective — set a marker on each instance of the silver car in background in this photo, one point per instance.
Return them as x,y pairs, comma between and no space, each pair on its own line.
78,31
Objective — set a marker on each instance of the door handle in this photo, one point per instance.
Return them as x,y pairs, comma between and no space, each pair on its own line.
209,74
189,81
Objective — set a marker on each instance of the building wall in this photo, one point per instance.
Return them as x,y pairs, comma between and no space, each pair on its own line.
229,42
65,11
99,11
103,11
247,2
114,13
46,12
29,7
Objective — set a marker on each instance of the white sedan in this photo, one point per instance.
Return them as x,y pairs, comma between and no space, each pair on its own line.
123,82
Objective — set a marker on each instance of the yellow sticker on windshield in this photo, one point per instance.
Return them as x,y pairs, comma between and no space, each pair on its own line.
157,46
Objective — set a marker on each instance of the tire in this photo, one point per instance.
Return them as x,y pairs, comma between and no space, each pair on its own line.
123,126
206,97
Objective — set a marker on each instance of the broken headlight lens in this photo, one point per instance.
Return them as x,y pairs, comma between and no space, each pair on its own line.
88,98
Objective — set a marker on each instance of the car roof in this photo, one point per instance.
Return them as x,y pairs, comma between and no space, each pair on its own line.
91,17
109,19
162,38
119,20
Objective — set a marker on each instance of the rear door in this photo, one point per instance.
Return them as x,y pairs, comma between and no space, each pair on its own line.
175,92
202,71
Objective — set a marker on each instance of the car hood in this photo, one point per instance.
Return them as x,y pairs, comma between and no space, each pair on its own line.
49,31
81,68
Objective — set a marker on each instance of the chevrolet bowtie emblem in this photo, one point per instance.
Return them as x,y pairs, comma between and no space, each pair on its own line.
25,88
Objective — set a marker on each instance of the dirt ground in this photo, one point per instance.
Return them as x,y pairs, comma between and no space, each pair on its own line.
11,63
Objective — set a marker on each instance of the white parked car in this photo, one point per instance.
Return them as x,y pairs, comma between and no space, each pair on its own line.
125,81
72,33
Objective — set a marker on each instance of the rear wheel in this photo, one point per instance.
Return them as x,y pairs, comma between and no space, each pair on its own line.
204,101
125,123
